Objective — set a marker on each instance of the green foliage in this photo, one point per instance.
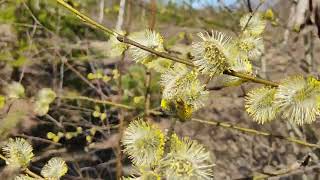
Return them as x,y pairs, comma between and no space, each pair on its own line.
260,104
2,101
134,86
8,13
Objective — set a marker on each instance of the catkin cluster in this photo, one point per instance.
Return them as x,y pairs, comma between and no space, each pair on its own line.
18,154
296,98
185,159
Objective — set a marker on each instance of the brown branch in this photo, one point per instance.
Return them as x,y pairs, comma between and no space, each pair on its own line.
84,79
152,23
124,7
249,6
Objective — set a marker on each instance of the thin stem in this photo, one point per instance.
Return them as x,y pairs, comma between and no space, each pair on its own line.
251,15
54,121
220,124
256,132
294,168
124,39
148,76
249,6
160,54
119,152
251,78
97,101
147,93
86,18
84,79
32,174
169,134
3,158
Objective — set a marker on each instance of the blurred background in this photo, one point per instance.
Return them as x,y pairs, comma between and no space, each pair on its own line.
43,45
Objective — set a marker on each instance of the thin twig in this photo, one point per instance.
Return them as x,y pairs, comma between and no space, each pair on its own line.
84,79
54,121
86,18
38,139
249,6
97,101
252,14
251,78
119,152
169,134
32,174
152,23
256,132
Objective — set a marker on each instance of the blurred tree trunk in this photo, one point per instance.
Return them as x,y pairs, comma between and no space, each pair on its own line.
289,25
303,13
121,15
119,25
101,11
308,52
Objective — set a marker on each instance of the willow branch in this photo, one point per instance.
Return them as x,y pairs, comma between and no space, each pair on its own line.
97,101
251,78
32,174
211,122
126,40
86,19
120,23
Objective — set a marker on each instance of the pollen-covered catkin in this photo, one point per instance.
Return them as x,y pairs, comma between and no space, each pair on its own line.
144,143
210,54
260,104
299,99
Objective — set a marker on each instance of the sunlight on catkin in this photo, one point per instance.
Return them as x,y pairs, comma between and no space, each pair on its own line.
253,24
210,54
54,169
149,39
252,46
187,160
18,152
144,143
299,99
260,104
183,93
